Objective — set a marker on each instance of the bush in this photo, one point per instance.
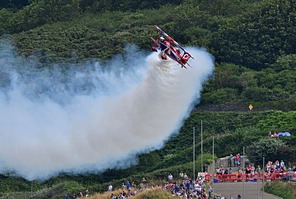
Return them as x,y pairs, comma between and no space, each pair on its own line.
282,189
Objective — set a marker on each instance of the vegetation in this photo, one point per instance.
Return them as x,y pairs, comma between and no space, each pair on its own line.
253,45
282,189
255,58
267,148
146,194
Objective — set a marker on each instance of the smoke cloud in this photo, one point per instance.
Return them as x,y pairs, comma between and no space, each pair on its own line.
90,117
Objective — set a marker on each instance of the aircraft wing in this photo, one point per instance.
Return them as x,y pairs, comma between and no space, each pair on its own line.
155,42
172,40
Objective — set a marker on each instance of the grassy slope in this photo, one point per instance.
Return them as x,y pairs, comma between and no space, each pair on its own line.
155,193
176,156
97,36
94,37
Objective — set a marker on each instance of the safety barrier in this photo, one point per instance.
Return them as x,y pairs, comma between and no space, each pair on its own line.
244,177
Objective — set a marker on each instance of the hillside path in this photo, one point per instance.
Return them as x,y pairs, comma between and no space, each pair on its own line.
232,189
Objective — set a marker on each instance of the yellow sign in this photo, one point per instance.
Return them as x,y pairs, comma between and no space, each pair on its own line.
251,107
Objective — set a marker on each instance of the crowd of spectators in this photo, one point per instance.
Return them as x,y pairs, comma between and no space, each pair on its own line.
184,187
128,189
80,195
275,134
188,188
272,171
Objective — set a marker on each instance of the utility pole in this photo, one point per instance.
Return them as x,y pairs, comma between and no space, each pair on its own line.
244,177
193,158
201,145
263,169
32,189
213,155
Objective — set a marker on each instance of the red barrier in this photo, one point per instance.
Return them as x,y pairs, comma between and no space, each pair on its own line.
245,177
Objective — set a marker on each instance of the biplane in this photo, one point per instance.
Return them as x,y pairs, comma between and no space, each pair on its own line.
169,48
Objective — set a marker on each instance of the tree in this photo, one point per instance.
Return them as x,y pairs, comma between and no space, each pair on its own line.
13,4
41,12
266,147
257,37
286,62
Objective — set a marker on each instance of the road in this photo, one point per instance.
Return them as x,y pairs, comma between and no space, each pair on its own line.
247,190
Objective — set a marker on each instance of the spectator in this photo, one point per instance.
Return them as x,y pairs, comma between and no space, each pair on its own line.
143,180
237,160
230,160
253,170
210,192
134,184
188,185
170,177
181,175
127,185
282,164
248,169
110,187
217,170
143,183
274,134
258,169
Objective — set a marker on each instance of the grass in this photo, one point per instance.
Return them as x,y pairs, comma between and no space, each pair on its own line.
151,193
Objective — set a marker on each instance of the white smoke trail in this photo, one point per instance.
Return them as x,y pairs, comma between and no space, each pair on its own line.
77,120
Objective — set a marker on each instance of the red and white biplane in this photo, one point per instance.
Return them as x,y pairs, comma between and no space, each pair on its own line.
168,47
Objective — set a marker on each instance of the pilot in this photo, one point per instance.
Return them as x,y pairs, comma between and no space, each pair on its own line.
165,47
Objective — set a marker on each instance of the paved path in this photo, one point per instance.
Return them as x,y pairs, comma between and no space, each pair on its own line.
247,190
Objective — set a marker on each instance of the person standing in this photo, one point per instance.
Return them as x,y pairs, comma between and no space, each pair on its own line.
282,165
110,187
127,185
170,177
230,160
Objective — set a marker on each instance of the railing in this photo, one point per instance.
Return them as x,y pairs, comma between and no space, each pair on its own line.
244,177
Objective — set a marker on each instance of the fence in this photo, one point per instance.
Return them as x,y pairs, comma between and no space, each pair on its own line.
244,177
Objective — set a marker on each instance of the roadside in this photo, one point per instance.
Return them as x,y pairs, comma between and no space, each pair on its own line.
247,190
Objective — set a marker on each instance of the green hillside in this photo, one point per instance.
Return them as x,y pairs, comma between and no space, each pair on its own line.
253,42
